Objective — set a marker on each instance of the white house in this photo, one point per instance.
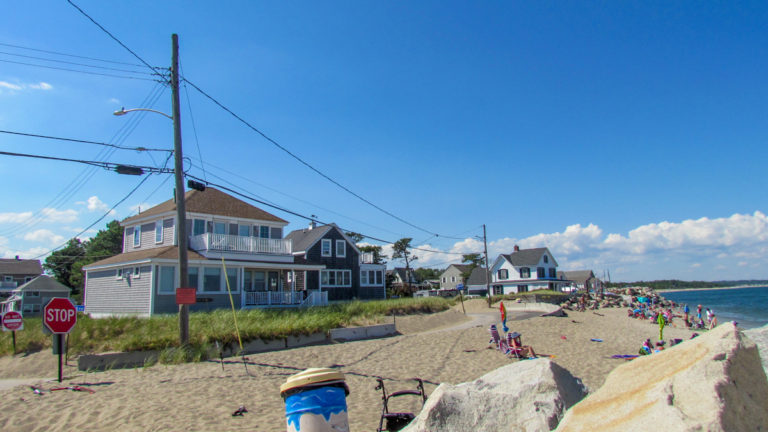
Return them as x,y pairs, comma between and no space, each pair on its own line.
234,246
524,270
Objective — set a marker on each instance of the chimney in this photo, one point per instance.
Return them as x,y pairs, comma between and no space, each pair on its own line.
517,248
312,225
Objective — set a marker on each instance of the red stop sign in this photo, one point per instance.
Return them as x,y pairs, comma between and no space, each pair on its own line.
12,321
59,315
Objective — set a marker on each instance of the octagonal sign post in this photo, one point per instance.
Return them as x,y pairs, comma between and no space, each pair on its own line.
12,321
60,316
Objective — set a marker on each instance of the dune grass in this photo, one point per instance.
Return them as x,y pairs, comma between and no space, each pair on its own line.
208,328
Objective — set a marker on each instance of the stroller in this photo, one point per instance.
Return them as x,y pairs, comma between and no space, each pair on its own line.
399,420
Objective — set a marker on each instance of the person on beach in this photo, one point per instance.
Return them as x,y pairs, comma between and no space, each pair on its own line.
713,322
685,313
698,313
709,316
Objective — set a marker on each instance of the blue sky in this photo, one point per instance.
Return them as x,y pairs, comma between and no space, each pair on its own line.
624,136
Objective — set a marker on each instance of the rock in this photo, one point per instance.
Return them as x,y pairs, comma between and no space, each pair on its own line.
714,382
529,395
760,337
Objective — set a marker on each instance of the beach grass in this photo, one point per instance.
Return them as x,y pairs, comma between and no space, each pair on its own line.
161,332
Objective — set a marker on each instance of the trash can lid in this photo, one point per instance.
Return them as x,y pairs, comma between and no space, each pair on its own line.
311,376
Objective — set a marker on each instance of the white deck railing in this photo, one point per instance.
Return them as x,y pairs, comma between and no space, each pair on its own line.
285,298
243,244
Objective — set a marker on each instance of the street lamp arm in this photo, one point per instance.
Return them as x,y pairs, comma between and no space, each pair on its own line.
123,111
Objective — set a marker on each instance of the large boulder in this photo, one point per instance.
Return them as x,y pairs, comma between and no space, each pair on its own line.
712,383
760,337
530,395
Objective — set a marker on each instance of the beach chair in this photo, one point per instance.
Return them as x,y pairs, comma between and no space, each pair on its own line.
522,351
512,350
495,337
394,421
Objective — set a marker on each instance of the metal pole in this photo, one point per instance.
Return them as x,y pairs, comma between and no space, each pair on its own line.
181,211
487,268
61,348
14,342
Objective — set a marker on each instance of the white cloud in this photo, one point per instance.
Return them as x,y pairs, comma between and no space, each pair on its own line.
95,204
44,236
7,85
61,216
114,101
41,86
15,217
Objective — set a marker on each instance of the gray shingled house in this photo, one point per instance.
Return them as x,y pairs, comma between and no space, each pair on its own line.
453,276
15,272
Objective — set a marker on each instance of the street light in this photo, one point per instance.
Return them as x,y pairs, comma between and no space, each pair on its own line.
123,111
181,211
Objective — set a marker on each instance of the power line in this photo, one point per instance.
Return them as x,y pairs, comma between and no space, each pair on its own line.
283,209
99,219
138,149
129,169
74,63
67,55
194,128
153,69
76,70
303,162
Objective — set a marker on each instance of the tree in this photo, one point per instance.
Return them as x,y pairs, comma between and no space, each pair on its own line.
356,237
423,273
400,251
474,260
60,262
378,257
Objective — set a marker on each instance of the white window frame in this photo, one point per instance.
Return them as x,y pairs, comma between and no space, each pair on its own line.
119,273
137,236
323,244
159,280
136,274
8,278
338,276
31,294
363,277
343,248
201,288
453,279
28,279
158,231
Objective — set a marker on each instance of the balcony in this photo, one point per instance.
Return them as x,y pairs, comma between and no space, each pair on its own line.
240,244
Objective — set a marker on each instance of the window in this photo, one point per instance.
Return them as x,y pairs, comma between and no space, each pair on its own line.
498,290
27,279
137,236
243,230
325,248
552,273
219,228
443,279
31,294
32,308
166,279
503,274
338,278
378,277
525,272
8,278
364,277
522,288
232,279
211,279
540,273
159,232
198,227
194,281
137,272
546,259
119,274
264,232
341,248
453,278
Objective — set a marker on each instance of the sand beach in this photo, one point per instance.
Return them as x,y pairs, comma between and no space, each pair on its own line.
446,347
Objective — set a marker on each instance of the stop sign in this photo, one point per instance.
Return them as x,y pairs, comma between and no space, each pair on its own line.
12,321
59,315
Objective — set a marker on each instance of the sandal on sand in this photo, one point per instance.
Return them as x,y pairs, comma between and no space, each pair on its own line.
240,411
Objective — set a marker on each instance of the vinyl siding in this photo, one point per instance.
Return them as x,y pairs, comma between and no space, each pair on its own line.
104,294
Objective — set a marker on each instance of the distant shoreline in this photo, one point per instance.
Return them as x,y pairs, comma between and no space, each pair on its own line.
707,289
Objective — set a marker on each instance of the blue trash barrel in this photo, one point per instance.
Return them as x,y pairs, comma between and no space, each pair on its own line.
316,401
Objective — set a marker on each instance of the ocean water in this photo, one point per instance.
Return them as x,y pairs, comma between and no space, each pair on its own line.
746,306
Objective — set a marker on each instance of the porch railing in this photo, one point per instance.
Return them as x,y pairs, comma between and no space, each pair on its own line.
285,298
243,244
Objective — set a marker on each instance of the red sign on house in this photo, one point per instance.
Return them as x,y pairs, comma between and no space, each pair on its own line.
12,321
59,315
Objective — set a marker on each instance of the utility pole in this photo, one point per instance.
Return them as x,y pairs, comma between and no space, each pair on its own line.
487,268
181,210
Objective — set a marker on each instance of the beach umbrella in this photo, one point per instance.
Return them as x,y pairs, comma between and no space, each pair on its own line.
503,311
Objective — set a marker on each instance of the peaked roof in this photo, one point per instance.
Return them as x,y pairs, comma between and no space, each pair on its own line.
578,275
43,283
526,257
478,276
20,267
304,239
167,252
210,201
460,267
400,271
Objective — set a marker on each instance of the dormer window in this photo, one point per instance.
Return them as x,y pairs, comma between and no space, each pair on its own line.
503,274
137,236
546,259
341,248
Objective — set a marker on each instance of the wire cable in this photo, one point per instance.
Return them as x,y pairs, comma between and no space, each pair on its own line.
138,149
76,70
105,165
67,55
194,128
75,63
